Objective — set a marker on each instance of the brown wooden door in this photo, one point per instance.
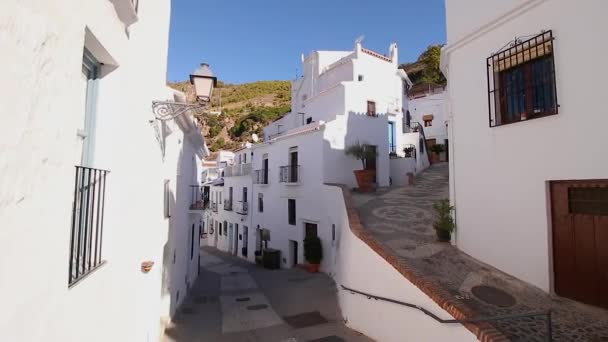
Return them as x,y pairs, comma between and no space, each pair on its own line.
580,240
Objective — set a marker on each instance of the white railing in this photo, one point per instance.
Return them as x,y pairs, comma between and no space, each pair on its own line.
237,170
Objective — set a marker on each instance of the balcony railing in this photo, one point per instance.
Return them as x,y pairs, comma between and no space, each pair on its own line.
196,198
227,205
242,207
409,151
260,176
237,170
87,222
214,207
289,174
414,126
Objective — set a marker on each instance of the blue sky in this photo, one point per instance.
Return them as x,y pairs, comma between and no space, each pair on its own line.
250,40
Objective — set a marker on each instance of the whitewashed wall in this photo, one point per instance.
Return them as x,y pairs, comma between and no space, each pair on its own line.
500,174
43,108
435,105
355,264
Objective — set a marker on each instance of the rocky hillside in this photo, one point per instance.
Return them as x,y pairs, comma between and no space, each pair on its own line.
239,110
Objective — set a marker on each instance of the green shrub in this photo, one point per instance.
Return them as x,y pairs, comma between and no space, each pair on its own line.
443,212
313,250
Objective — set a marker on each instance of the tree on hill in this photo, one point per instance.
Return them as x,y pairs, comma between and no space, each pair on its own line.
426,68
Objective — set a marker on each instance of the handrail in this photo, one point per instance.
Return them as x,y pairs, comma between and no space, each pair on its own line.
547,313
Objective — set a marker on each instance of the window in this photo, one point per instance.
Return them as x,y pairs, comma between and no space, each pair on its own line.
406,88
428,120
291,211
244,158
333,232
522,81
220,230
308,120
225,228
360,78
261,202
167,199
406,122
245,194
90,76
192,243
371,108
421,144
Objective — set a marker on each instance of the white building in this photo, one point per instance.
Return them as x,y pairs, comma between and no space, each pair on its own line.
527,118
343,97
84,173
427,107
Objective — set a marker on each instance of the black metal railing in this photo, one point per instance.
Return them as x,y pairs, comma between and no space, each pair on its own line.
289,174
392,148
228,204
86,235
196,202
409,151
545,314
414,126
260,176
242,208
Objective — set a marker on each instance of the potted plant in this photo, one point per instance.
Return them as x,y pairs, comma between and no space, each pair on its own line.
444,223
436,149
364,153
408,151
313,252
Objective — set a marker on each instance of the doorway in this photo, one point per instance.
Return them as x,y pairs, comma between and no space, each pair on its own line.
579,212
310,229
370,164
235,251
293,165
245,241
293,252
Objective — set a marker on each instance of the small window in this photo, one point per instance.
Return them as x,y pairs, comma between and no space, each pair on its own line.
428,123
360,78
261,202
244,158
421,144
406,88
522,81
588,200
333,232
220,230
291,211
371,108
167,199
308,120
245,194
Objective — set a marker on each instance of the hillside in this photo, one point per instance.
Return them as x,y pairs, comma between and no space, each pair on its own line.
244,109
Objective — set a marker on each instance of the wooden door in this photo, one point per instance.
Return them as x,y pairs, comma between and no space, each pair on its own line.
579,212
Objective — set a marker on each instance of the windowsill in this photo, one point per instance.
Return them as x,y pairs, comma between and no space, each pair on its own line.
536,116
86,275
292,184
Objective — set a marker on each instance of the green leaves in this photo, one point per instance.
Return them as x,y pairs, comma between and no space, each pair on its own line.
443,212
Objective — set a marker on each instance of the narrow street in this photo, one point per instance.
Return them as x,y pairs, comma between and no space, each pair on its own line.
237,301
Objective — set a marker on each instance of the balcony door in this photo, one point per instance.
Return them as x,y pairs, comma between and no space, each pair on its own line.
293,164
265,169
391,137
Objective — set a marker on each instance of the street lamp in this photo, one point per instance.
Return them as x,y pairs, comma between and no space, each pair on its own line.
203,81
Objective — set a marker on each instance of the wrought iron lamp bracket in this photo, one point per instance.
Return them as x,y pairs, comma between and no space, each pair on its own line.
169,110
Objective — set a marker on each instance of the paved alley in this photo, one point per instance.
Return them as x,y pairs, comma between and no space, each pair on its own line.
400,219
234,300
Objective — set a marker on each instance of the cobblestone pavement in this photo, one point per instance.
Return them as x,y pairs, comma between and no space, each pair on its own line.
234,300
400,219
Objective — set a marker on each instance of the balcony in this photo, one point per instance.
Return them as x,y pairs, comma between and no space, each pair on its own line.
228,205
237,170
87,222
196,198
260,176
289,174
242,208
214,207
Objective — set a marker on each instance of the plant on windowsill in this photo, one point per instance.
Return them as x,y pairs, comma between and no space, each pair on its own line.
436,149
365,154
444,223
313,252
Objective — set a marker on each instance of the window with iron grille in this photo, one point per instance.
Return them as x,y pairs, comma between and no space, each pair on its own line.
261,202
371,108
521,81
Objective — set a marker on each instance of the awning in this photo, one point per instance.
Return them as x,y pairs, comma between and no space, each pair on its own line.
427,117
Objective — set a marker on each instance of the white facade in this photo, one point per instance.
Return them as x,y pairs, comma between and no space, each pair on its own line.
305,150
47,133
431,105
499,177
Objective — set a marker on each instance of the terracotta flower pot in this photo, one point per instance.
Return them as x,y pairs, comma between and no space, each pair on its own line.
365,179
312,268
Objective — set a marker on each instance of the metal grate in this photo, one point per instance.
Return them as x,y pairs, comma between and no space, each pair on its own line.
521,81
588,201
86,235
289,174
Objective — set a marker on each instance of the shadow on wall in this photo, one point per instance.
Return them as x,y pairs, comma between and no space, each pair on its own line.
347,130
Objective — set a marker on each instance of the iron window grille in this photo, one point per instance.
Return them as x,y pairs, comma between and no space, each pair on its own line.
521,81
260,176
86,235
